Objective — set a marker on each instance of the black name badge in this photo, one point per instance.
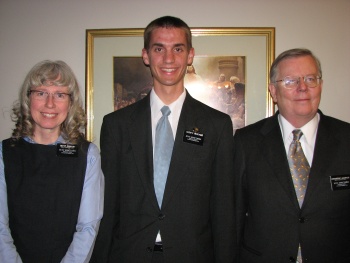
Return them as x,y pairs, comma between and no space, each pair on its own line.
340,182
67,150
193,137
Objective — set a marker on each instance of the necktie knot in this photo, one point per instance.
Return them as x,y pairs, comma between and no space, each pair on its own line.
165,111
297,135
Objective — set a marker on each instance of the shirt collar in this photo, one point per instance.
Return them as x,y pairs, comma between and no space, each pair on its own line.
156,103
59,140
309,129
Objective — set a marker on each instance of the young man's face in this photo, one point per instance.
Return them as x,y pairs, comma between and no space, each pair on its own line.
168,57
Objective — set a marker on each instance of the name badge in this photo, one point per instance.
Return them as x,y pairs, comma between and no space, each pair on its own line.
340,182
193,137
67,150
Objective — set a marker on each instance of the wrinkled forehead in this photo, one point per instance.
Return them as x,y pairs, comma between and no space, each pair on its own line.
296,66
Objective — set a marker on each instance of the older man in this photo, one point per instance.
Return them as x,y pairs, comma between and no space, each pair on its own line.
292,173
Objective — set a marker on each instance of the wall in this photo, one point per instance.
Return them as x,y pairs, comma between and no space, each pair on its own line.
31,31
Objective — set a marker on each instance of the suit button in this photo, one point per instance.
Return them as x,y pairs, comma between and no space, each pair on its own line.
302,219
161,216
149,249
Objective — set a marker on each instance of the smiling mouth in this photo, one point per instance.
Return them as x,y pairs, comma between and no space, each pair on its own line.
49,115
169,70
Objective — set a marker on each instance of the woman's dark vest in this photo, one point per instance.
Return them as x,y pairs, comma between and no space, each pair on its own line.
44,193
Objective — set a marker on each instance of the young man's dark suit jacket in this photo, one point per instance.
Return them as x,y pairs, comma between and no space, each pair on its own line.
270,222
196,220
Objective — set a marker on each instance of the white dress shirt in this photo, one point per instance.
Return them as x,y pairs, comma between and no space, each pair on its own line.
156,114
307,140
175,108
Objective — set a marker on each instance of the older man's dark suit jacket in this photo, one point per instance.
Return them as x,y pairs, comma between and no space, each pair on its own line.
196,220
270,222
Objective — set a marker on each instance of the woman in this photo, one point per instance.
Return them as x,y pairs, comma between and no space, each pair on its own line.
51,183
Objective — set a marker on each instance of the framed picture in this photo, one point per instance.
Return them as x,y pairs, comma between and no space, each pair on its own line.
232,65
218,81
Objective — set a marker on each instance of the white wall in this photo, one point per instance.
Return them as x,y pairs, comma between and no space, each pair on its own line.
31,31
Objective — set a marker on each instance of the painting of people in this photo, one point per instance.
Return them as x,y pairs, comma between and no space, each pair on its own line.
218,81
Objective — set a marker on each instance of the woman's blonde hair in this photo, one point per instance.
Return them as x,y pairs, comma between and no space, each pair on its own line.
49,73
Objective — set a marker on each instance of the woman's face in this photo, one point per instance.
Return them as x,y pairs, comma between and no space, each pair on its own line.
49,109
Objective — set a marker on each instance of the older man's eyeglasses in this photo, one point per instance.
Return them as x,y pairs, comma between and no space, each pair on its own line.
311,81
43,95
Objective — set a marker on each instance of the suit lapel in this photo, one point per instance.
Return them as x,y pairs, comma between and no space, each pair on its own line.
273,149
140,132
182,152
325,147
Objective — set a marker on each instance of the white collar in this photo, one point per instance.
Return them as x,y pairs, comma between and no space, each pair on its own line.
309,129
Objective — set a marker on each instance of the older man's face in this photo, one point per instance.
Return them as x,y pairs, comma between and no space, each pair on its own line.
297,105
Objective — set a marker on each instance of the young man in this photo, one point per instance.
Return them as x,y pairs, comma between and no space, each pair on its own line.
183,210
292,173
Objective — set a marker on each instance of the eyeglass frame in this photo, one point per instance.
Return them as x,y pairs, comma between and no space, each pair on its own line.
53,94
318,78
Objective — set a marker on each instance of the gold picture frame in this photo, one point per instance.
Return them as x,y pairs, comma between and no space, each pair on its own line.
257,44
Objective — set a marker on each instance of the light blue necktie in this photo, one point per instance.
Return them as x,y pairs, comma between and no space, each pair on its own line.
164,142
